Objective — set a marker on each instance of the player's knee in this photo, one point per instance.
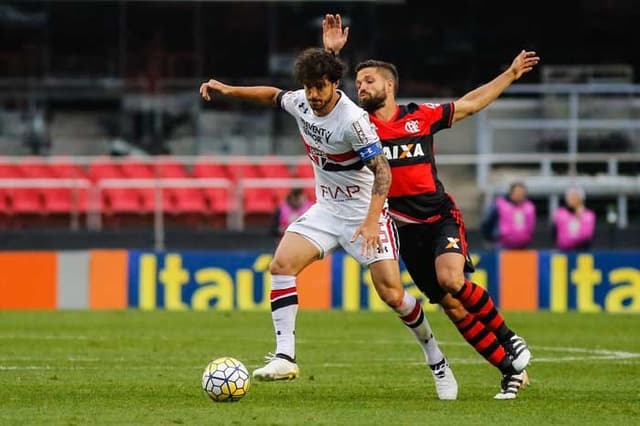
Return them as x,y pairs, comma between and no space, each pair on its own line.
450,279
279,266
392,296
455,314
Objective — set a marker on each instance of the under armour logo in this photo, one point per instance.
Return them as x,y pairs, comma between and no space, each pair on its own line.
453,243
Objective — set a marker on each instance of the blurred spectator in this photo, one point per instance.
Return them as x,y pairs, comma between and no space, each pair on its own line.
511,220
293,206
573,224
37,135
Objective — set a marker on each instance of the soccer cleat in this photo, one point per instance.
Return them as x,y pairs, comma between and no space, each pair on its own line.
277,368
511,385
519,351
446,384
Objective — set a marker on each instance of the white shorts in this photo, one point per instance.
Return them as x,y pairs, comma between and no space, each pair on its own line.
328,232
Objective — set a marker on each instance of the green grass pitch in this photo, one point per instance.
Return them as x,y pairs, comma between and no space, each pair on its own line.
133,368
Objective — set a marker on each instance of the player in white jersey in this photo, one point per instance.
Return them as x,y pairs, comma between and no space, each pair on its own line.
350,210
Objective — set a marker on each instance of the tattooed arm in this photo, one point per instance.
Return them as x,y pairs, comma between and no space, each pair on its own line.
370,229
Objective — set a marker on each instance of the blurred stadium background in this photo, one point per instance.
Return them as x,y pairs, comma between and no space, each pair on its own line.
105,143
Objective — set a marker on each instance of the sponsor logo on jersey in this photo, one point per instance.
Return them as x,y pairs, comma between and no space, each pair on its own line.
360,133
395,152
453,243
302,107
316,133
412,126
339,192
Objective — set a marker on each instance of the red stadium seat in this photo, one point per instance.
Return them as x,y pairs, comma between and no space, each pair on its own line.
136,169
27,201
10,171
303,170
120,200
239,171
188,200
67,169
5,207
219,200
61,200
35,168
105,169
274,170
171,169
259,201
209,169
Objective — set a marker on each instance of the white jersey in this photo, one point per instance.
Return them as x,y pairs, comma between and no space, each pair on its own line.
336,144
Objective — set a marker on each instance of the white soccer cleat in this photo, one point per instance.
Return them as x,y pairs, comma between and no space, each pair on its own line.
277,368
520,353
446,384
511,385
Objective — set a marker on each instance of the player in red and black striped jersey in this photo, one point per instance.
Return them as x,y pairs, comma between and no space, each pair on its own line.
433,243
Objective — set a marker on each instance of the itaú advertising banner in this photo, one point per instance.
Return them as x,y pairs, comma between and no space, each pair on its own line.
517,280
240,280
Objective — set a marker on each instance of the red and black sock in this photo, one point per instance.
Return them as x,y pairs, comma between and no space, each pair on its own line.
479,303
484,341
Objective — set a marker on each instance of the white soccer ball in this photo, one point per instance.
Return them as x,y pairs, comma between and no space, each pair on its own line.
225,379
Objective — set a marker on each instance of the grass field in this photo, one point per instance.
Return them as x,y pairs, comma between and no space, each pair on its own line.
131,367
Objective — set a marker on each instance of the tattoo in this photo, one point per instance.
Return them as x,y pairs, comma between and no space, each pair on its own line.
382,172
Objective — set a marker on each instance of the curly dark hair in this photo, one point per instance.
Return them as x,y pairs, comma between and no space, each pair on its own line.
388,67
315,64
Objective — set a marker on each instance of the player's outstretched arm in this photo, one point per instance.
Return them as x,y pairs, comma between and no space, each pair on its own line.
479,98
334,37
261,94
369,229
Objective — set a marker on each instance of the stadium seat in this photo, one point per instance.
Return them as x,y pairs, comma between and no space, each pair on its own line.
259,201
35,168
219,200
171,169
105,169
61,200
136,169
119,200
239,171
274,168
4,202
67,169
27,201
188,200
10,171
209,169
303,170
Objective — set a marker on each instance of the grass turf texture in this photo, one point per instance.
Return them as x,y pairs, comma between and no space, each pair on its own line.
132,367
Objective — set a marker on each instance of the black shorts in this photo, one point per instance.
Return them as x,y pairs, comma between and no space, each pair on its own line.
420,244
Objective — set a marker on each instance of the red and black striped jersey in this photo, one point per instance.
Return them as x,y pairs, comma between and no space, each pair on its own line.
416,193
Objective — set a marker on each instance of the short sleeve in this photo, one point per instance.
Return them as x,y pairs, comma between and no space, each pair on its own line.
289,101
437,116
360,132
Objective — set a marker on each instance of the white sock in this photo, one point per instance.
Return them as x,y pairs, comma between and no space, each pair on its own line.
284,308
412,315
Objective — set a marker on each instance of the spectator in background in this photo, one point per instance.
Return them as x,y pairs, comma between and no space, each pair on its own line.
511,220
293,206
573,225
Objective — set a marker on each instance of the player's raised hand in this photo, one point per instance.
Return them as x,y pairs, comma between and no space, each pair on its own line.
334,37
210,86
370,233
523,63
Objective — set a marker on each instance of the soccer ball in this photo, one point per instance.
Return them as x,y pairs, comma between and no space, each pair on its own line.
225,379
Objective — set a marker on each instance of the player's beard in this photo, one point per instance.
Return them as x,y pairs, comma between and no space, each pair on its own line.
319,104
373,101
